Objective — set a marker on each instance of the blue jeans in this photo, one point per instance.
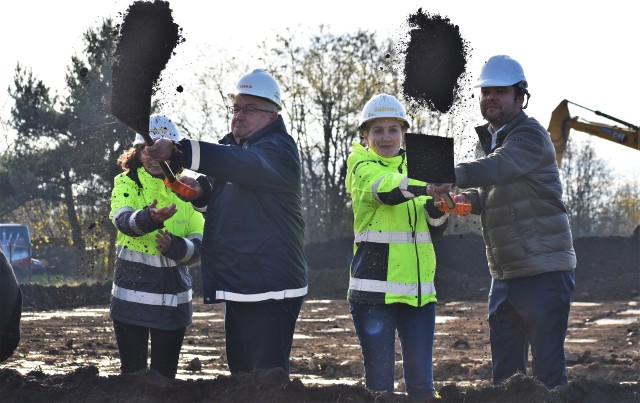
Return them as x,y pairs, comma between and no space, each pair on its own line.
376,327
530,311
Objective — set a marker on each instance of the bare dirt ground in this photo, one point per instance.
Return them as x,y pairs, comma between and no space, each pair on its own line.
71,355
68,351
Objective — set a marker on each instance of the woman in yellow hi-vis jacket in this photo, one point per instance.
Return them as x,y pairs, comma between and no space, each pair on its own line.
158,236
392,272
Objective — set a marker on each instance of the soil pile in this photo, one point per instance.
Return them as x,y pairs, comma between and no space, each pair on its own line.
85,384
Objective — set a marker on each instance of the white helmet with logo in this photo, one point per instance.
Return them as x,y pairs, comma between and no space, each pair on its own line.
261,84
501,71
160,126
383,106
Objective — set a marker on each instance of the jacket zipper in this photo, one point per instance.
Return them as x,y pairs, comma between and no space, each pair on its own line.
413,226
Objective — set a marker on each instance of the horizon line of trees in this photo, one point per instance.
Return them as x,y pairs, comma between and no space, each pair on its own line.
58,173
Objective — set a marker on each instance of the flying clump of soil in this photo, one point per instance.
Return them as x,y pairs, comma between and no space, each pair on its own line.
435,58
148,37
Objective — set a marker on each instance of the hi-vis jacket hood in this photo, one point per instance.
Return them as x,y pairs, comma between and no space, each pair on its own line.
394,260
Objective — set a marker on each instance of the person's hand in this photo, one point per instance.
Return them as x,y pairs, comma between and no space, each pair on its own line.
461,198
160,215
161,149
193,184
438,189
163,241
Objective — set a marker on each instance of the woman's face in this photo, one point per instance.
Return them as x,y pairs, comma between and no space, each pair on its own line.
384,137
150,165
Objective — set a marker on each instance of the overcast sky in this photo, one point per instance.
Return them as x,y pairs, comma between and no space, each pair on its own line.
586,52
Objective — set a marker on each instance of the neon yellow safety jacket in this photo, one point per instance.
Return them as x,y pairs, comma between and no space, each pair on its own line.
152,289
394,220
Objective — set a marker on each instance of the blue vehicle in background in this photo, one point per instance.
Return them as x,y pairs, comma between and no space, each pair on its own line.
15,242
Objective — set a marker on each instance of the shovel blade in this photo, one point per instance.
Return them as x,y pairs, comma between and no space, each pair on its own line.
430,158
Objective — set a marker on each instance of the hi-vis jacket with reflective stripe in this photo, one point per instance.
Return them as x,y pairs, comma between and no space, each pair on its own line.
151,289
394,260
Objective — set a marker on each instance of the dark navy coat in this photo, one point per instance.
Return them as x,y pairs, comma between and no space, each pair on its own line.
253,243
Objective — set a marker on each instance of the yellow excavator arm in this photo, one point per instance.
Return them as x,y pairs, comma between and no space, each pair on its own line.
561,123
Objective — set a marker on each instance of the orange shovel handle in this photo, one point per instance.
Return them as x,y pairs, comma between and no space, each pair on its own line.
180,188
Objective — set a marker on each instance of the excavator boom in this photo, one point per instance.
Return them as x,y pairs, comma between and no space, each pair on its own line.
562,122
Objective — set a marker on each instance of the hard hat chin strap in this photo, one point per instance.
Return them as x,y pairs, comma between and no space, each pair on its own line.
526,102
522,88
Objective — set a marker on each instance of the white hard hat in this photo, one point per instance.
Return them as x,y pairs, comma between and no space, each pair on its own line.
261,84
383,106
501,71
160,126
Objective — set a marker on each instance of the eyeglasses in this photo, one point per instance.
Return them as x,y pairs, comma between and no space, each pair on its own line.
247,110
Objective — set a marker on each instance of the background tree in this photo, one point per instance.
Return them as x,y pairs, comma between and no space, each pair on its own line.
598,204
623,210
325,85
201,110
70,145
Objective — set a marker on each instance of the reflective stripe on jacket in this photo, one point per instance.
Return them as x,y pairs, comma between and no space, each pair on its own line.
393,260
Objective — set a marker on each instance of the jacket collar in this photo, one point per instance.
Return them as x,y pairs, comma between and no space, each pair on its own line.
485,136
365,153
145,180
273,127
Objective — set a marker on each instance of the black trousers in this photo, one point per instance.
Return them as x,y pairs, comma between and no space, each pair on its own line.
133,344
259,334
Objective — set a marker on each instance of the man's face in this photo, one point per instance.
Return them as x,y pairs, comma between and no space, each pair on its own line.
499,105
254,113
